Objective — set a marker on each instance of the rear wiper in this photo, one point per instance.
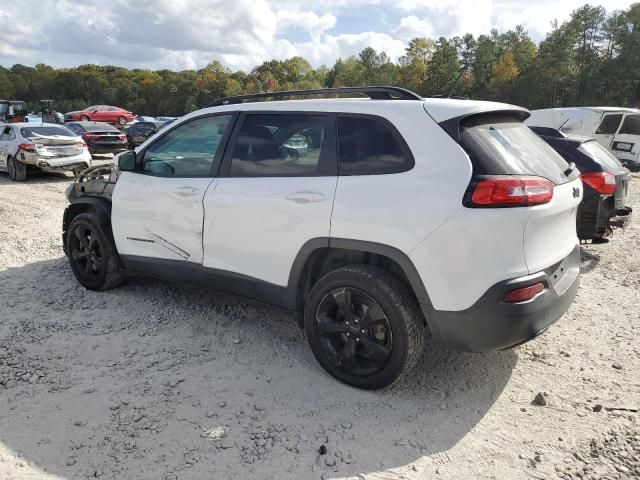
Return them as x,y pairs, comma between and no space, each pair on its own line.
572,167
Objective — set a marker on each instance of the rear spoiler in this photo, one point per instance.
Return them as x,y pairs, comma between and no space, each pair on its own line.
452,126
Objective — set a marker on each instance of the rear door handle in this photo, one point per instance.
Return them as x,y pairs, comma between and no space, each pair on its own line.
305,197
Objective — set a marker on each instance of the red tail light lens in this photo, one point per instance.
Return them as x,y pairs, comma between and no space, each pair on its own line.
80,144
122,137
523,294
602,182
27,147
88,136
511,191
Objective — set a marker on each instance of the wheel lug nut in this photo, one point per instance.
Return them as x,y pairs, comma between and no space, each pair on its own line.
357,339
346,323
356,320
363,331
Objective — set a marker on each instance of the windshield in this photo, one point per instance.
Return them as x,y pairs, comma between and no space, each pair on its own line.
631,125
502,145
3,108
46,131
600,154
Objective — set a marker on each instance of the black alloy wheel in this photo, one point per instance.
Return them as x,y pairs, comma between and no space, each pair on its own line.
86,253
355,332
364,326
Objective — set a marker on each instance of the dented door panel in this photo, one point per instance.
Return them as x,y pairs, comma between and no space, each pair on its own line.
159,217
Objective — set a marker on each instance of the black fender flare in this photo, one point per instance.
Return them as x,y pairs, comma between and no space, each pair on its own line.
101,206
398,256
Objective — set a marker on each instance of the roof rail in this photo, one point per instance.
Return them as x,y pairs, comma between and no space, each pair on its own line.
375,93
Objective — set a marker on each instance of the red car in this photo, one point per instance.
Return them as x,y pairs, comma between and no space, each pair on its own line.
101,113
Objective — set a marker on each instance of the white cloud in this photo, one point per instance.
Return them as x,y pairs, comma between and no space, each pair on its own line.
181,34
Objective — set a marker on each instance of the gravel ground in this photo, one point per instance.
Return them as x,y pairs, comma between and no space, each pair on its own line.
159,381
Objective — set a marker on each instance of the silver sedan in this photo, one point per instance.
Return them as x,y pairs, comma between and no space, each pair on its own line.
46,146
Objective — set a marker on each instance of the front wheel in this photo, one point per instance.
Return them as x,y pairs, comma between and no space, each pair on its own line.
92,253
84,118
363,326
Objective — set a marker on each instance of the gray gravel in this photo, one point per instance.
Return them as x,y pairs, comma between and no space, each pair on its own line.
160,381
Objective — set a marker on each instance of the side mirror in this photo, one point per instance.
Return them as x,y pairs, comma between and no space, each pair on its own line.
127,161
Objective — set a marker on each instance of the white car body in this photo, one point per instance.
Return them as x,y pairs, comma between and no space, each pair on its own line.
257,227
48,152
615,128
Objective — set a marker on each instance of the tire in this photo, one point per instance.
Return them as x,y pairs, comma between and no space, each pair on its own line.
383,316
92,253
130,144
17,170
122,121
84,118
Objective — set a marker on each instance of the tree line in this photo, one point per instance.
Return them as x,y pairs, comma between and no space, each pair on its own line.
593,58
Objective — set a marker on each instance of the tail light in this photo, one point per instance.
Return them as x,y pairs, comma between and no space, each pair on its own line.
602,182
122,137
27,147
88,136
523,294
80,144
510,191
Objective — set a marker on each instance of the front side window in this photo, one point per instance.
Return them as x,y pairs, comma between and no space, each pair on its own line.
631,125
369,146
188,150
609,124
273,144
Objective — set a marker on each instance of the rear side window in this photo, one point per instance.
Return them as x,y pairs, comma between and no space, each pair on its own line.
502,145
279,145
609,124
371,146
631,125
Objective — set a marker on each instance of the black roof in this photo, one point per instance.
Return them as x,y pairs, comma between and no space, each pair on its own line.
93,126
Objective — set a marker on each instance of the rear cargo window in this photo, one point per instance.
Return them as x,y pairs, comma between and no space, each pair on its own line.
609,124
27,132
502,145
600,154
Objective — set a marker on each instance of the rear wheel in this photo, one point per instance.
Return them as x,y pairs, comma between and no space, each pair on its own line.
122,121
363,326
17,170
92,253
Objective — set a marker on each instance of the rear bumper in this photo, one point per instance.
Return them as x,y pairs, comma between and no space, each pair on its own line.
492,324
101,149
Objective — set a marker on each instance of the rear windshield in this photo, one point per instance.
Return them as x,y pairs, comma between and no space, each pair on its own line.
600,154
100,127
46,131
631,125
502,145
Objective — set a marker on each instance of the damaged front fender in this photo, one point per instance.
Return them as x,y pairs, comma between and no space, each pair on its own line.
98,181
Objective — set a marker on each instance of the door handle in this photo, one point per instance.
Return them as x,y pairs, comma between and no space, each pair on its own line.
305,197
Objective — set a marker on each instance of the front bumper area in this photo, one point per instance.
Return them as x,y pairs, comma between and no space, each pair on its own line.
492,324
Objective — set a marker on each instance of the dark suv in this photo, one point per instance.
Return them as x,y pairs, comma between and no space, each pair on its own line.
605,181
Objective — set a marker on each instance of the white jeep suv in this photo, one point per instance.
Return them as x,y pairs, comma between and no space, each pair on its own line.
401,213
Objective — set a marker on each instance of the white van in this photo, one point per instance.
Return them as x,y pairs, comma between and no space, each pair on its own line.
616,128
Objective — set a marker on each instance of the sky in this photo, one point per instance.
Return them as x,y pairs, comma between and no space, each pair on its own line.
188,34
